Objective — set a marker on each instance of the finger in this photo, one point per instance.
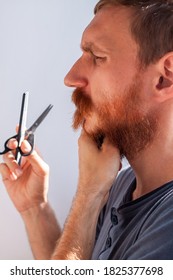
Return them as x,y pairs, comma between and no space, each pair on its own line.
26,147
6,174
17,128
107,145
12,143
86,139
12,165
38,164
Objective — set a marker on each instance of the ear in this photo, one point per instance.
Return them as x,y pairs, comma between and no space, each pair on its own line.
164,81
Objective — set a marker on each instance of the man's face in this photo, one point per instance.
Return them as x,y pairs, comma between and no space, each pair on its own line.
109,93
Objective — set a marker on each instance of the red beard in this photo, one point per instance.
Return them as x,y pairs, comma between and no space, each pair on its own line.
121,121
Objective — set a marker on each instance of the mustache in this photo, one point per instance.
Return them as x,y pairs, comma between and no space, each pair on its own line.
83,105
81,100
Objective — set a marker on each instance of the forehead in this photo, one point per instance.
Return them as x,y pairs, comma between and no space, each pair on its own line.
110,28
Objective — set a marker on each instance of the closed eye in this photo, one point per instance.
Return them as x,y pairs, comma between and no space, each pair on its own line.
98,58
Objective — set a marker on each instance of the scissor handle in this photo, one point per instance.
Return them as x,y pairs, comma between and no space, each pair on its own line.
6,148
30,139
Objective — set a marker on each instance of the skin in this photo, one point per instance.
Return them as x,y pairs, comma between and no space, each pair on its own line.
106,68
27,186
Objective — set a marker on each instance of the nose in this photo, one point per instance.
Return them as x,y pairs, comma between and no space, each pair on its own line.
75,77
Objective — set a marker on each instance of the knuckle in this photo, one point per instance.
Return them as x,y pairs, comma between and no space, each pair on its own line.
8,156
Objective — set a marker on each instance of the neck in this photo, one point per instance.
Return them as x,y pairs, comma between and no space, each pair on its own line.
153,167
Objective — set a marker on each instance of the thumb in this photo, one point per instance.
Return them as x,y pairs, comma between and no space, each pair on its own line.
38,164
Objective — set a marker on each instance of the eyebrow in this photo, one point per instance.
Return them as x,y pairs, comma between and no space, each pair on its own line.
90,47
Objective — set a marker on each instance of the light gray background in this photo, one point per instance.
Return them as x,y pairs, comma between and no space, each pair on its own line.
39,42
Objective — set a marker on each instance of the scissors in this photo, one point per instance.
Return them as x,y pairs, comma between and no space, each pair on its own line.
22,132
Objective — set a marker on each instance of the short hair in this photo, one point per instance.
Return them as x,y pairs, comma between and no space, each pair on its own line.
151,26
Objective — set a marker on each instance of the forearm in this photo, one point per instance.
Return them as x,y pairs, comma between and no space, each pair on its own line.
42,229
78,237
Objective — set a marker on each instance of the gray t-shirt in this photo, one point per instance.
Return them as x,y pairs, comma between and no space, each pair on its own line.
138,229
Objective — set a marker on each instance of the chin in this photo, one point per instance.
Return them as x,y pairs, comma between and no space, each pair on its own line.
90,125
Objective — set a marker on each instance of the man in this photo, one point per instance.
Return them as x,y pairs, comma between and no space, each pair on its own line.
124,100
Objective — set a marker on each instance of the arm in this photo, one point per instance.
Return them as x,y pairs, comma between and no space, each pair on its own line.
78,236
97,170
27,187
42,229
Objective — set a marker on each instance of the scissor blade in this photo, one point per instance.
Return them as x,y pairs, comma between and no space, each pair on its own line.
22,123
39,120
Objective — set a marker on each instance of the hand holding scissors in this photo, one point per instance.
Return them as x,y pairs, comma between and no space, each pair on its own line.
25,134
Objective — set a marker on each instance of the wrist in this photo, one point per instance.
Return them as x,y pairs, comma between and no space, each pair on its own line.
42,229
35,211
95,194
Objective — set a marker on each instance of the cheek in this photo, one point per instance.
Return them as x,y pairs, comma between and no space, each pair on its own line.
106,88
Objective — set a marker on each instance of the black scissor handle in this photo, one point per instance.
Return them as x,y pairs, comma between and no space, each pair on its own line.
30,139
6,148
